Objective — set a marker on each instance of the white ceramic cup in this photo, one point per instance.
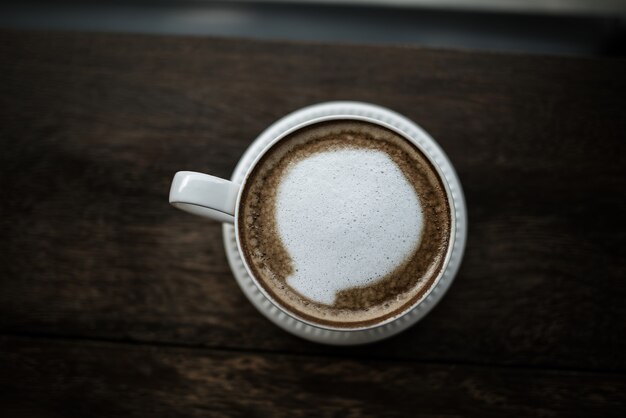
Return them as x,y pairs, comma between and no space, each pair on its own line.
220,199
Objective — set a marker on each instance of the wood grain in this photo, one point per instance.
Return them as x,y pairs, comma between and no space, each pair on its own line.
93,126
77,379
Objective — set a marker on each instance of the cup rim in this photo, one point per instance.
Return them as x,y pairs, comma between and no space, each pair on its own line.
403,134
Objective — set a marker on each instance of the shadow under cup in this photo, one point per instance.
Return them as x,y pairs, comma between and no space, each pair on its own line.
268,260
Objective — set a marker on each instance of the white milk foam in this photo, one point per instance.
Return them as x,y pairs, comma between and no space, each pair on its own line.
347,218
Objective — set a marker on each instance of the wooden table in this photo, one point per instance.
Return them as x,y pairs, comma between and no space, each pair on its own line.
112,303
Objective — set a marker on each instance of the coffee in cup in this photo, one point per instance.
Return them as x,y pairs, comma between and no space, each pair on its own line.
344,223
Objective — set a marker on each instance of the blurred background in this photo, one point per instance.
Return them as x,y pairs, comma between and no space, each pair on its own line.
571,27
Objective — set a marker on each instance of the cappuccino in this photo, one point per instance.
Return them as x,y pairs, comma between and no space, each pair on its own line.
344,223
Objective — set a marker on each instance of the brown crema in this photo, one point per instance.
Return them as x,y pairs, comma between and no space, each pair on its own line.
271,264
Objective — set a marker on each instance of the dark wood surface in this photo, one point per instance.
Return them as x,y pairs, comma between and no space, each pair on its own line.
114,303
78,379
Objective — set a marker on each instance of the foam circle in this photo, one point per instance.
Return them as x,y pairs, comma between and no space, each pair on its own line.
347,218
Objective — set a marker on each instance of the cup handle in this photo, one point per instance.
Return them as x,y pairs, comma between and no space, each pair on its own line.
204,195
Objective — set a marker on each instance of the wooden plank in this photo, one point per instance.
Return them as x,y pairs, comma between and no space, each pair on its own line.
60,378
93,126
